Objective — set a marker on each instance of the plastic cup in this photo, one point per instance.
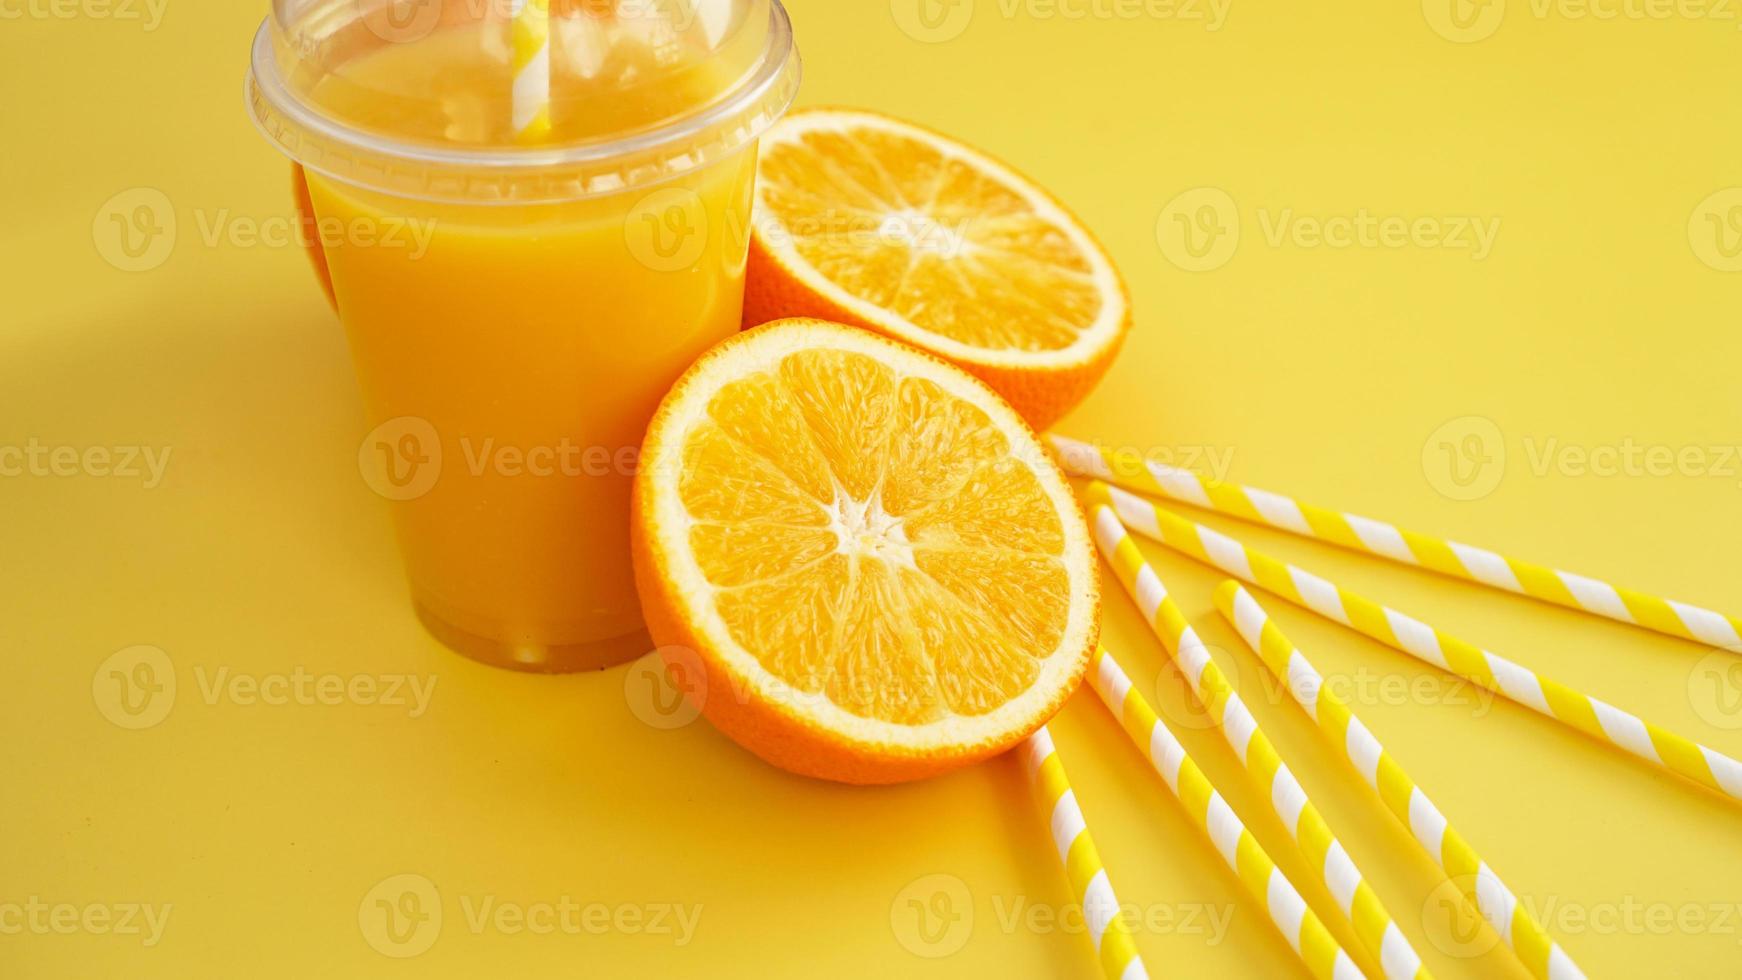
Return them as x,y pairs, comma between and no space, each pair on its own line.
515,311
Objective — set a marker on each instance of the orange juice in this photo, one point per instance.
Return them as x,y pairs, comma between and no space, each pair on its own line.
535,303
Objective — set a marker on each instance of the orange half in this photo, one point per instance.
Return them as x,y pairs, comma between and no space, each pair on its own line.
892,227
881,570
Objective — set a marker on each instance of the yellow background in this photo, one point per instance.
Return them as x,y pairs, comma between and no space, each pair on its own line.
1321,372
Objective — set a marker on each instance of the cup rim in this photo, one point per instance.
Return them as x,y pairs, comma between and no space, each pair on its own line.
600,165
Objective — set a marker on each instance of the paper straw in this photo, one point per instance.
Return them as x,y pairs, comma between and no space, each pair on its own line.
1288,911
1088,877
529,33
1374,924
1490,671
1379,538
1406,801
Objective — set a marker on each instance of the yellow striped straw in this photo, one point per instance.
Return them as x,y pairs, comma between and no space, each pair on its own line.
1088,877
1311,941
1379,538
1490,671
1374,924
1406,801
529,35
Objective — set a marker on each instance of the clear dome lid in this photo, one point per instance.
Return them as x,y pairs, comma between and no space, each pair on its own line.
511,101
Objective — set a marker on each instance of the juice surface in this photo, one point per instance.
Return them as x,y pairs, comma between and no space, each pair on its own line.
609,75
530,344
